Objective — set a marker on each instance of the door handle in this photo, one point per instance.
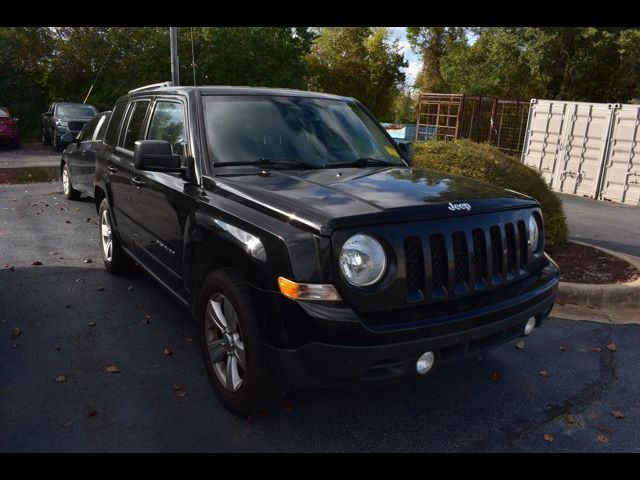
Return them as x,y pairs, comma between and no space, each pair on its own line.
112,169
139,183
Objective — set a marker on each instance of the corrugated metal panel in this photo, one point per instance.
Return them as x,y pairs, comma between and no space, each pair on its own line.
588,149
621,178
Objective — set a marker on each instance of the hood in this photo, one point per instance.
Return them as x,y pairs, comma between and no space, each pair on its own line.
327,199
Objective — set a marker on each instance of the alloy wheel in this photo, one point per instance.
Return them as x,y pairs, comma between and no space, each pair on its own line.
66,184
224,342
106,235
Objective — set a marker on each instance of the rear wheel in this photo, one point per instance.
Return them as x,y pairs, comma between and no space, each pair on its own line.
69,192
115,260
232,347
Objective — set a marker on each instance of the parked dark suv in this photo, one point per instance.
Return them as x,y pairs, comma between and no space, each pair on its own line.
64,117
306,248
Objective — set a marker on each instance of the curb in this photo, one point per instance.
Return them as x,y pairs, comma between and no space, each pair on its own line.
604,303
600,295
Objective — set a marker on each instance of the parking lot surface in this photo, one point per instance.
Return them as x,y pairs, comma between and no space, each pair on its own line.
75,320
610,225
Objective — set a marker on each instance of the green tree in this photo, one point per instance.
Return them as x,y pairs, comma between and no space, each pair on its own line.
433,43
360,62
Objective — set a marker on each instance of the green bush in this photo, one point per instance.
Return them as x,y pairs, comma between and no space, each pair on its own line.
488,164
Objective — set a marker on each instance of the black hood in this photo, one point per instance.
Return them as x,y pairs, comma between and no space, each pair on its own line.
327,199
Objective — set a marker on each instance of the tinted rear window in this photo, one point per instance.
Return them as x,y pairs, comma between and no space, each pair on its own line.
111,136
135,124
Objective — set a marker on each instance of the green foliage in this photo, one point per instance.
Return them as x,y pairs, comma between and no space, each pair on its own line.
564,63
433,43
360,62
488,164
43,65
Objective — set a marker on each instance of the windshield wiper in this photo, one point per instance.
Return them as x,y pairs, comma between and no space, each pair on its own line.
268,162
361,162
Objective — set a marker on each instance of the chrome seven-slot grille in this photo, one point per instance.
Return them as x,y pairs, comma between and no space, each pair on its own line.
460,262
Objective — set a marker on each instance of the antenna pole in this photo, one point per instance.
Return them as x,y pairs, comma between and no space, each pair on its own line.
175,64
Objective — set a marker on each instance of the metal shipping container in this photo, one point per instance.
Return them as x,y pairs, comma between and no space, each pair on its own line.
588,149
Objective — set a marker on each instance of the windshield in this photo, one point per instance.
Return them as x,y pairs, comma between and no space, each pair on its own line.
297,130
76,110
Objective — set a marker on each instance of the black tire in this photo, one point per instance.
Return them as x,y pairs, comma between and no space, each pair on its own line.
120,262
70,193
260,390
57,144
46,140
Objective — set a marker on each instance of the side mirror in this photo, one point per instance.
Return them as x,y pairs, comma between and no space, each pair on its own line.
155,156
69,138
406,150
48,114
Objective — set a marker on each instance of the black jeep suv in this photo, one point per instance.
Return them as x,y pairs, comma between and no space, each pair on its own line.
306,248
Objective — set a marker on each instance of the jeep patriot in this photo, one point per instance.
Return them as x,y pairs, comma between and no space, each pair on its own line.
305,246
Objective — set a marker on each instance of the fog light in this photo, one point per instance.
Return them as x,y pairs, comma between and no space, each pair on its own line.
530,325
425,362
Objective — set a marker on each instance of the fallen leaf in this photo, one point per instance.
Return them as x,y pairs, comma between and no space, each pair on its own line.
181,393
596,349
67,306
88,220
92,413
67,221
570,419
146,320
495,377
57,349
87,260
520,345
61,379
189,339
100,289
36,264
140,306
113,368
167,351
562,348
92,323
612,347
16,332
178,386
617,414
603,438
548,437
544,373
129,289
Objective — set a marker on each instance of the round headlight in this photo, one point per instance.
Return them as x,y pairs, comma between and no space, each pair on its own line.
362,260
534,234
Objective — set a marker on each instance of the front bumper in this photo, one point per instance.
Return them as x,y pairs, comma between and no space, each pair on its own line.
321,363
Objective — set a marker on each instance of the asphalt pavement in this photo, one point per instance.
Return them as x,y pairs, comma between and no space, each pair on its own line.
611,225
75,320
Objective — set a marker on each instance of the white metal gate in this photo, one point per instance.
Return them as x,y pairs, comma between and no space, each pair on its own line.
589,149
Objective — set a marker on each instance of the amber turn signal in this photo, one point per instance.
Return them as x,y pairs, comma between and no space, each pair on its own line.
307,291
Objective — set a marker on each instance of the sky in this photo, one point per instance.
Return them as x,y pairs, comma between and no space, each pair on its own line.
412,70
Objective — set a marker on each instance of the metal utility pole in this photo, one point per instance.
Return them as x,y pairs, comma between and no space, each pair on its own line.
175,63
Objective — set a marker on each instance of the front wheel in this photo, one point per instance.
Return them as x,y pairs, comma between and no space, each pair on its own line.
232,347
115,260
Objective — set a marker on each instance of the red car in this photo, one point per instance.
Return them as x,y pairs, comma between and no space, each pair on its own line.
8,129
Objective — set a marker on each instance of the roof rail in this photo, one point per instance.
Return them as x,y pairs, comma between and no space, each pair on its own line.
153,85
